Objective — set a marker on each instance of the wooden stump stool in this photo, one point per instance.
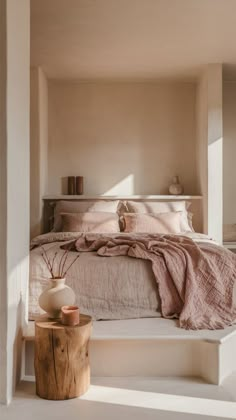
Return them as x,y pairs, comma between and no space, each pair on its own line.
61,360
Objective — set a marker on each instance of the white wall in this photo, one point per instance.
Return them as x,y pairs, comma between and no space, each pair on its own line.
215,152
124,138
229,179
210,148
15,183
38,147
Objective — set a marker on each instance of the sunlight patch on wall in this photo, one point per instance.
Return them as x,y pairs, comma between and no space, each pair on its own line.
124,187
215,189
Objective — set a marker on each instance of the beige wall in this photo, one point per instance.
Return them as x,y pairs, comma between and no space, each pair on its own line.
124,138
14,124
201,144
229,115
3,203
38,147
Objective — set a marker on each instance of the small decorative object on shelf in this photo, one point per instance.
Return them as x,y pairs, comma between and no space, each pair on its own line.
57,294
61,358
70,315
71,185
79,185
176,188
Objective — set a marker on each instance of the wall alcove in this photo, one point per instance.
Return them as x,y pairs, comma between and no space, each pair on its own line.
128,138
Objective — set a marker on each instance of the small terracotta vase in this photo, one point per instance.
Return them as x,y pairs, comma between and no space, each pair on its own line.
56,295
70,315
176,188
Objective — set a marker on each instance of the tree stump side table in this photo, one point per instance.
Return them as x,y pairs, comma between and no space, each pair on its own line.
61,359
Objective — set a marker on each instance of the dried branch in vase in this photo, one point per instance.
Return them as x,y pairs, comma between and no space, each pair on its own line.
62,265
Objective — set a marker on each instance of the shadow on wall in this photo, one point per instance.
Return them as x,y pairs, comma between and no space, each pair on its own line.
17,318
17,347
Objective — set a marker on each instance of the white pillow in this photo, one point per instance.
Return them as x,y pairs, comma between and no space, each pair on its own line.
164,207
64,206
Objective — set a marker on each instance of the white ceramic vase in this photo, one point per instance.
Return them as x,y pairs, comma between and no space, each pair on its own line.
56,295
176,188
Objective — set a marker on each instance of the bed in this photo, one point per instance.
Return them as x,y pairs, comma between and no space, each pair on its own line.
107,287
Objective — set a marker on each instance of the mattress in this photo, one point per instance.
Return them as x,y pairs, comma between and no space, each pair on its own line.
106,287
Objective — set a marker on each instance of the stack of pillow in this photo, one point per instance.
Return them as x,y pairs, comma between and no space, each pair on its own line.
113,216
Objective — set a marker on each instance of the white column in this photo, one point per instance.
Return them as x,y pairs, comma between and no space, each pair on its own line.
215,152
38,147
210,148
15,28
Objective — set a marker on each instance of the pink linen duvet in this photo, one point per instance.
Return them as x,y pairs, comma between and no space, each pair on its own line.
195,282
122,276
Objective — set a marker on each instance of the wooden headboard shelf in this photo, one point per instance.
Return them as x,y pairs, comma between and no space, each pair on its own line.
122,197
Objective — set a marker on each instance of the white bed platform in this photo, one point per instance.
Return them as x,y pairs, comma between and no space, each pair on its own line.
151,347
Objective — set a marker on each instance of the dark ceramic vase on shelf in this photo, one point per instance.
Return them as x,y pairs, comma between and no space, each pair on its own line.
71,185
79,185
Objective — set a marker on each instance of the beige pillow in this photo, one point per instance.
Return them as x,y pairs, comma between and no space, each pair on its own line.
156,206
164,207
99,222
152,222
109,206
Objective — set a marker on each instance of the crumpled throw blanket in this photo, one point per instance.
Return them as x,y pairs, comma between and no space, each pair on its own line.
195,281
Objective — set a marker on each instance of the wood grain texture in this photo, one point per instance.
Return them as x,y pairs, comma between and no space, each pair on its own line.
61,361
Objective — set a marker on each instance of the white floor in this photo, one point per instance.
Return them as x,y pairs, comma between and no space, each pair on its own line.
131,398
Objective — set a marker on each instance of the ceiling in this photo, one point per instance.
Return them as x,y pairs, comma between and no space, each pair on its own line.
138,39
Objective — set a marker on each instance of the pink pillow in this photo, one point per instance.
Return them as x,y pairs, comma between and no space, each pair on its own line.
67,206
152,222
99,222
157,207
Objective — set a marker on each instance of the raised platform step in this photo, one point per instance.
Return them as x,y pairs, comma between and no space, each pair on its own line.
152,347
147,329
